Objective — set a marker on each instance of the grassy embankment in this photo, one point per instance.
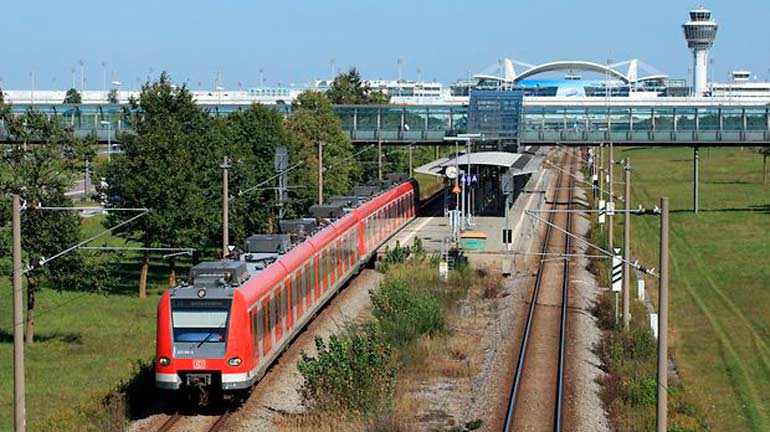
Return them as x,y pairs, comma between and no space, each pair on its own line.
720,265
85,343
411,342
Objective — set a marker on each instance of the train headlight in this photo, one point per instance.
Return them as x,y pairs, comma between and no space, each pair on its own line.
202,292
234,361
164,361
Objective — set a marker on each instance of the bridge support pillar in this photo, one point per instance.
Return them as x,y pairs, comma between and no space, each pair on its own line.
695,178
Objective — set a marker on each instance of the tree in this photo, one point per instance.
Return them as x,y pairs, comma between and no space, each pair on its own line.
250,139
169,167
112,96
73,97
348,88
313,121
41,173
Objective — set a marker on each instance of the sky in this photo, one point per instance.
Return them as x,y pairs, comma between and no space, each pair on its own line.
294,42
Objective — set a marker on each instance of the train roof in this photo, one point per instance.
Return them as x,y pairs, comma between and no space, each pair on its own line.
239,275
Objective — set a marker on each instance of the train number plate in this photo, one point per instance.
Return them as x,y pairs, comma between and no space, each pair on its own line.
199,364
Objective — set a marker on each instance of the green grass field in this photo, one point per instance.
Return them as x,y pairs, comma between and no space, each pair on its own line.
720,273
88,342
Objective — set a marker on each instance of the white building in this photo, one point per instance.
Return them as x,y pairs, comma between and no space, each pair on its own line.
741,86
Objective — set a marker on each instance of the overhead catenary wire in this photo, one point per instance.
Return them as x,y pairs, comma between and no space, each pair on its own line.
45,260
635,265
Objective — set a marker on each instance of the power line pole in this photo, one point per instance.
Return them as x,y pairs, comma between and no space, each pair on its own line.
225,207
19,410
695,180
610,201
379,161
410,160
320,172
627,248
662,408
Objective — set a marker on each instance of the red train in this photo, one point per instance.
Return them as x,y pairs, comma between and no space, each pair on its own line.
223,330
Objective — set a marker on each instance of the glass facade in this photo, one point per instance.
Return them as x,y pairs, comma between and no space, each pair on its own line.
661,119
494,113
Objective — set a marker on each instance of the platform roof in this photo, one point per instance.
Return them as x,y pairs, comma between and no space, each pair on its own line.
517,163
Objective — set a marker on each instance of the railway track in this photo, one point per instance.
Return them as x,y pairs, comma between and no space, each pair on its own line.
180,422
210,423
537,393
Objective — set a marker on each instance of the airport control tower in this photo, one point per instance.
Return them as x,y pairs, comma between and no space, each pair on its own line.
700,33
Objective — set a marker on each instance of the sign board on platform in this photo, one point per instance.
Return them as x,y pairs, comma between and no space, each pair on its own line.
654,324
640,289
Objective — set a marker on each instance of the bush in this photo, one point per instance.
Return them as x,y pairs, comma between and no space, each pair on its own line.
642,392
353,372
400,254
405,314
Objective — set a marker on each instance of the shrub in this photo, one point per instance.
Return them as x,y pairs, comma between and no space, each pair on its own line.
353,372
404,314
642,392
400,254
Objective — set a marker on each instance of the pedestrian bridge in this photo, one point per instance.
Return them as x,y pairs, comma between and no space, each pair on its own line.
673,121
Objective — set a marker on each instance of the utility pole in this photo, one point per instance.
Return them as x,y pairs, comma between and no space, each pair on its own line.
600,171
225,208
468,208
85,180
662,408
410,160
281,164
19,410
320,172
379,162
695,181
610,201
627,248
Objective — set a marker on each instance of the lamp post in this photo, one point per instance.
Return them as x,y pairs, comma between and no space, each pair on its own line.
467,138
108,125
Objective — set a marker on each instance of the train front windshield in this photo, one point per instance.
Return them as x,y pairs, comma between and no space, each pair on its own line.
200,321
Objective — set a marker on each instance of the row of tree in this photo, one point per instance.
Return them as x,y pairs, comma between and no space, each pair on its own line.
171,164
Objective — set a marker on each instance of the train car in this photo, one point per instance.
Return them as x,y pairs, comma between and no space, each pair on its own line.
221,331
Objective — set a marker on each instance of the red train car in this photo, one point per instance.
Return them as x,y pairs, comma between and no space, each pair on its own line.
223,330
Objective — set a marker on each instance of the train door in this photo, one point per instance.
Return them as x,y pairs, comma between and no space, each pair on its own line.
285,311
293,304
256,341
313,281
334,248
275,313
266,335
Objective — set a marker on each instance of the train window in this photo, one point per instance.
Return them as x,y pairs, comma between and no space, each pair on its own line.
294,289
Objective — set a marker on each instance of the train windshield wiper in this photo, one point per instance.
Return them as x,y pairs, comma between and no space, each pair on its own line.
212,333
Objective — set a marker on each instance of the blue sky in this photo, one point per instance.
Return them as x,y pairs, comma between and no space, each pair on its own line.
294,41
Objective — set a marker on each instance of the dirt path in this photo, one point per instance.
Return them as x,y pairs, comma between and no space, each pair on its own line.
277,393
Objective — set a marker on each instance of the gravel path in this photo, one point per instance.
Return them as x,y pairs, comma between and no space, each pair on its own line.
585,408
277,392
